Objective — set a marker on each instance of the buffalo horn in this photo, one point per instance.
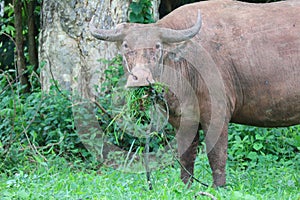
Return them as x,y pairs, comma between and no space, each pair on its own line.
172,36
112,35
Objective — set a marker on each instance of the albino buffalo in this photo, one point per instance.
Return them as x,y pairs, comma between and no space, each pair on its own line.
241,61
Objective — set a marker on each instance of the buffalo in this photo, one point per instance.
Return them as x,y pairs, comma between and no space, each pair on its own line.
224,61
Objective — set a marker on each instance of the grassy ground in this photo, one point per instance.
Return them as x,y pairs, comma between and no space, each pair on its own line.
58,180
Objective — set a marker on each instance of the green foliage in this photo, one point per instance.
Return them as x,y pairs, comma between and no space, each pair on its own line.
141,12
35,126
58,180
7,32
7,21
248,143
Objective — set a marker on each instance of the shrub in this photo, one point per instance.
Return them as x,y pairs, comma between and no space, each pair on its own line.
248,143
35,125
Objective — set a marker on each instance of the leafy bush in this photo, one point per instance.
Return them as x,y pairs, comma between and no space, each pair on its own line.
248,143
35,125
140,12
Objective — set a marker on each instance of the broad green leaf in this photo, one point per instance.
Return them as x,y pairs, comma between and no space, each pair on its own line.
252,155
259,137
134,18
258,146
136,8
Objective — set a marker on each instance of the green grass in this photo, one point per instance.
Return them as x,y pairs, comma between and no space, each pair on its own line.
57,179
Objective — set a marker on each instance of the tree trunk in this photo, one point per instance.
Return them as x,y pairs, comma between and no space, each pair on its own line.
21,63
68,50
32,33
2,8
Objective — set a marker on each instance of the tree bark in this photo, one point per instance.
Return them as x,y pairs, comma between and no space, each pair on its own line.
32,34
67,49
2,8
21,63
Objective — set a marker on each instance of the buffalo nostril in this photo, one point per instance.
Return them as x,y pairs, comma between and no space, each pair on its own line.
149,82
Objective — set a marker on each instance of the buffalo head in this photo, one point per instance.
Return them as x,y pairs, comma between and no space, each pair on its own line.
142,46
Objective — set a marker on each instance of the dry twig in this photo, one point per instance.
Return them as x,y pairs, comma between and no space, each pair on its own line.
205,194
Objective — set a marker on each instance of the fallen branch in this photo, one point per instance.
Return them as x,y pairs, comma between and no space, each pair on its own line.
206,194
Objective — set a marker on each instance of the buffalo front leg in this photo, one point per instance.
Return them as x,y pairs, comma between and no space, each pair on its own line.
216,147
187,149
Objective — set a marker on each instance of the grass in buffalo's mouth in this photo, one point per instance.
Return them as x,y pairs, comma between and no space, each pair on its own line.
139,100
134,111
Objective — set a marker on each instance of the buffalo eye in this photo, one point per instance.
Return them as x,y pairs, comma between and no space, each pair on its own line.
125,45
158,45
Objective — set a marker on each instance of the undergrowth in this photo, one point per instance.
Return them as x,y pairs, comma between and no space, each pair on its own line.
58,180
35,126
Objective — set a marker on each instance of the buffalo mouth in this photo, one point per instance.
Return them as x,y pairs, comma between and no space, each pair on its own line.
139,77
